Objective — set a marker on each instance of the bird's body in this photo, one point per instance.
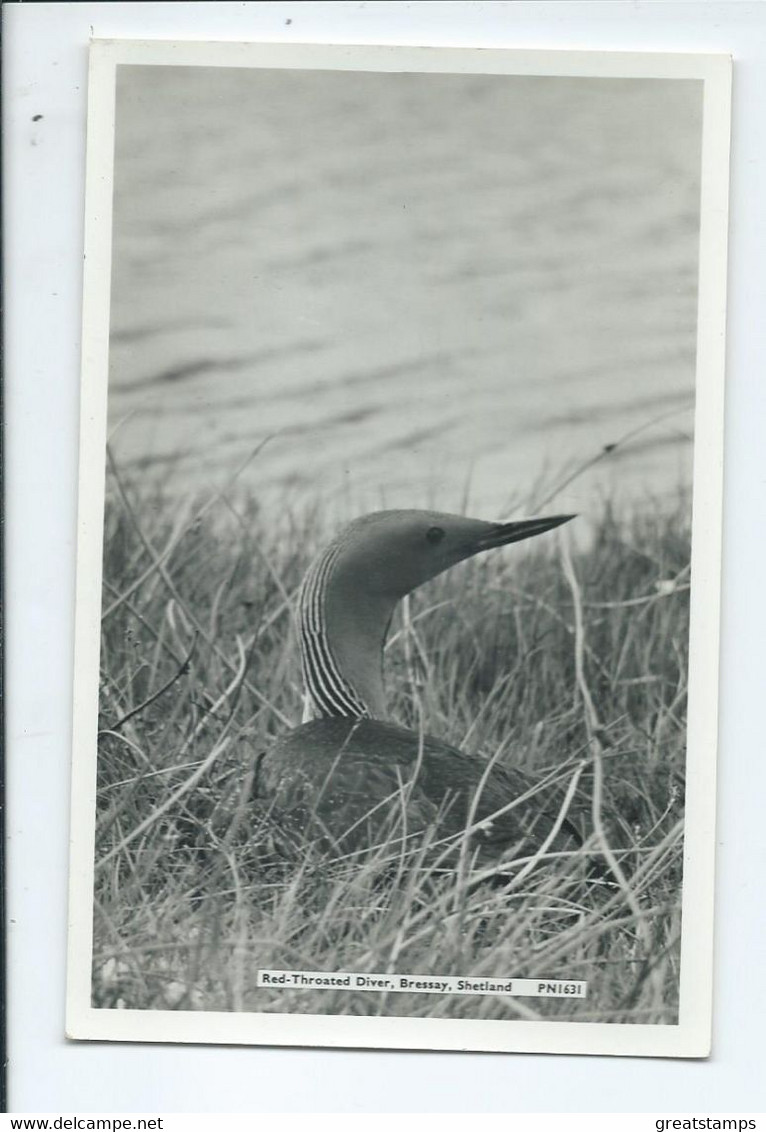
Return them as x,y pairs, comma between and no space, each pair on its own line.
353,780
363,783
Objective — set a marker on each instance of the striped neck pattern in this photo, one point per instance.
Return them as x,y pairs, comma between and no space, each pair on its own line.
331,694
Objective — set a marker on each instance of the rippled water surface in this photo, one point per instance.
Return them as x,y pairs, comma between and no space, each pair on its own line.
417,286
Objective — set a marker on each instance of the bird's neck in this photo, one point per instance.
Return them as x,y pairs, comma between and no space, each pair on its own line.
343,629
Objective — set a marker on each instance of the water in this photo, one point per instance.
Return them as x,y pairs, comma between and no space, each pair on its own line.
420,287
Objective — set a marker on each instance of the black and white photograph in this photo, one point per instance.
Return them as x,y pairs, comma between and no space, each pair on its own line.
399,538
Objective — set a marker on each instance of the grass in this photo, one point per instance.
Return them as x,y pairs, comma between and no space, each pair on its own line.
558,659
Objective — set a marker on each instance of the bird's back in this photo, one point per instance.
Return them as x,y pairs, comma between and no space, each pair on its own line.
355,783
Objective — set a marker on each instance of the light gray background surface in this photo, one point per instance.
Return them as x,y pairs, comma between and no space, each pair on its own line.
45,61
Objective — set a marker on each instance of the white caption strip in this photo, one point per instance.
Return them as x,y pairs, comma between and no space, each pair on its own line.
423,984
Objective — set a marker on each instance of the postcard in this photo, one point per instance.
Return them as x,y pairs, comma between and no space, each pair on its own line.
395,705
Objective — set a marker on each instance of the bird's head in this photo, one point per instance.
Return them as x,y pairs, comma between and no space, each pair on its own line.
390,553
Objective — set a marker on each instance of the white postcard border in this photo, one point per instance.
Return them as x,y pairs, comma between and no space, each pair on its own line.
691,1037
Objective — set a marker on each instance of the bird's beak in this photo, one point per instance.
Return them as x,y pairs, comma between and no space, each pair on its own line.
500,534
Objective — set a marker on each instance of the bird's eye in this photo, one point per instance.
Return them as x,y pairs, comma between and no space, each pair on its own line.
435,534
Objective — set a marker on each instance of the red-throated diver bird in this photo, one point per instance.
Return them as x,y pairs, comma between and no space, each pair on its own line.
347,776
